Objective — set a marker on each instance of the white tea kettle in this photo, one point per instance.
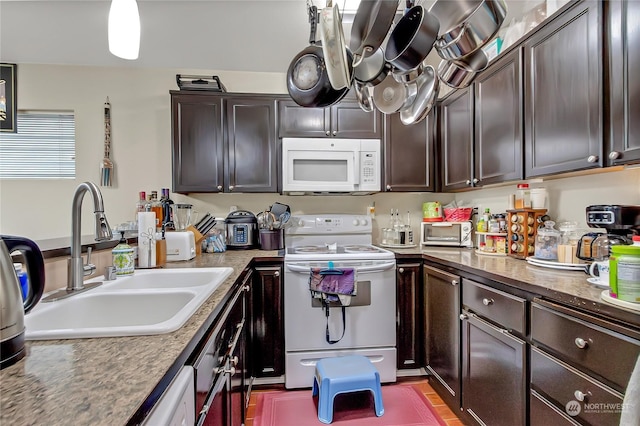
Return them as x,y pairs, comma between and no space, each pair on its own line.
11,302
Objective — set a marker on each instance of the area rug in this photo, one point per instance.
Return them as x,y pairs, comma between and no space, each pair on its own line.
404,405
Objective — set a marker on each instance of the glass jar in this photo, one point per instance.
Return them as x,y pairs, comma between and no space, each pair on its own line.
547,240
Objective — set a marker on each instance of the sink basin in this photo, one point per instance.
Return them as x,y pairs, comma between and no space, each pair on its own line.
148,302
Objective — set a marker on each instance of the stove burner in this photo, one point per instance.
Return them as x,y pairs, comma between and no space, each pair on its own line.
360,249
312,249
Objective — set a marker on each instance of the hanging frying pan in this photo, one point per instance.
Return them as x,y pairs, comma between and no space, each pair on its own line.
372,69
307,78
371,24
334,49
428,88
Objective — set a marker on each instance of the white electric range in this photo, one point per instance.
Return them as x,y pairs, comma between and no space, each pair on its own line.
369,327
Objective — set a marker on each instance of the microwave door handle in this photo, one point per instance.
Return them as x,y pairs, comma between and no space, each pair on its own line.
356,169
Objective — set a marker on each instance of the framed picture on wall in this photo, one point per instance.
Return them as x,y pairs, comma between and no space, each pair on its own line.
8,100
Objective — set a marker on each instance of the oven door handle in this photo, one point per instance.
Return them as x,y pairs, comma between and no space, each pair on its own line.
360,270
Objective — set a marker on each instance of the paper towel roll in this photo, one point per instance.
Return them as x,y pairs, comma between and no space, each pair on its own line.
146,239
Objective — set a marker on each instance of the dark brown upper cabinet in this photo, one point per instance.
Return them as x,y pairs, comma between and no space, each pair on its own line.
197,142
498,126
623,132
252,145
343,120
409,154
224,143
456,140
563,93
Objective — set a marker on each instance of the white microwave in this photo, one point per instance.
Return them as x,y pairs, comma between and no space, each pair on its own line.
317,165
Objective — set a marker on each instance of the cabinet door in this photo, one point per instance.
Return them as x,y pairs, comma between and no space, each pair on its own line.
197,143
409,319
442,331
348,120
408,154
252,149
498,121
624,95
494,381
297,121
456,139
563,87
267,336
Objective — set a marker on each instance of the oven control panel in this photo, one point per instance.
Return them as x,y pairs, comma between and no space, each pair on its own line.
329,223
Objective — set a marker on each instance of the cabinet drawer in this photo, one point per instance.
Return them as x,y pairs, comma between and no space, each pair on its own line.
606,353
504,309
562,384
543,413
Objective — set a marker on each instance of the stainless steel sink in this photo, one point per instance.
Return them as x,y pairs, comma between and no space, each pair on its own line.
149,302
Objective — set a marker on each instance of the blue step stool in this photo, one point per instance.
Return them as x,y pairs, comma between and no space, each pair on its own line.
344,374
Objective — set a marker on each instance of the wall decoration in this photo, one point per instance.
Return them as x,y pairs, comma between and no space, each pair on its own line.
8,99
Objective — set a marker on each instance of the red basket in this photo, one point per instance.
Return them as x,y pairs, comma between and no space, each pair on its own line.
458,214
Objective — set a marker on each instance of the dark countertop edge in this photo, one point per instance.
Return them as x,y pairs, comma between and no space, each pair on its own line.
186,355
60,247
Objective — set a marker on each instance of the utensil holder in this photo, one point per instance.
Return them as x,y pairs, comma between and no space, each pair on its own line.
271,239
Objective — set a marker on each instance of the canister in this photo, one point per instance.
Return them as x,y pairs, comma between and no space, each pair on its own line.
546,246
431,211
624,272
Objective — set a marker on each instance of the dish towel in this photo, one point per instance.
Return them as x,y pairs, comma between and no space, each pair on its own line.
333,285
631,403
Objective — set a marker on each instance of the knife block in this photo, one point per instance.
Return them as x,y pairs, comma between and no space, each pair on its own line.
198,237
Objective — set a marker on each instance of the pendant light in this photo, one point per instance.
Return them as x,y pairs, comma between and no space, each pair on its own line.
124,29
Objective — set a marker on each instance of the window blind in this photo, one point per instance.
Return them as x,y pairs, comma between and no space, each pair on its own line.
43,148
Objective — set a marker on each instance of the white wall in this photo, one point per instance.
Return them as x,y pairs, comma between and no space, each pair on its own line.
141,151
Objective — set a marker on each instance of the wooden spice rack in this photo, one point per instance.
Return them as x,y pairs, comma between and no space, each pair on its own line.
522,228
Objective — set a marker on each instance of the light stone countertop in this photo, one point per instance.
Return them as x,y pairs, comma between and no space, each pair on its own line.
106,381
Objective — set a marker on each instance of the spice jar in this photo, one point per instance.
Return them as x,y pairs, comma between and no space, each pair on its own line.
523,196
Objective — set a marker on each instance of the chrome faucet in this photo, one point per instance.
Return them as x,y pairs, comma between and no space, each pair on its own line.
77,270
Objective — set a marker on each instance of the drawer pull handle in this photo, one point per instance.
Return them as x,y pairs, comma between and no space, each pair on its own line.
581,396
581,343
487,302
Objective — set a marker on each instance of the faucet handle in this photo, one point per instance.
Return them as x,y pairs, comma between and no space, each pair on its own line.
88,268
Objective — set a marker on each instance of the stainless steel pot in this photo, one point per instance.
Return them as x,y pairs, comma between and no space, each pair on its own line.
458,74
466,25
412,39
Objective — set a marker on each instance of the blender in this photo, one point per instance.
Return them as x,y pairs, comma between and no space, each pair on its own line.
182,216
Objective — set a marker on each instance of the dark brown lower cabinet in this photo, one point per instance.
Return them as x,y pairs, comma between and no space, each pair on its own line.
493,373
409,334
267,324
442,333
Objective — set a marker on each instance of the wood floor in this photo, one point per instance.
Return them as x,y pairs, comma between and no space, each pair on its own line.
441,408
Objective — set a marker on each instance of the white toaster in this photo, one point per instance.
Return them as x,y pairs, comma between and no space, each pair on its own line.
181,245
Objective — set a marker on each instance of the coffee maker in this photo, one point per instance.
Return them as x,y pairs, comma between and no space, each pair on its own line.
621,223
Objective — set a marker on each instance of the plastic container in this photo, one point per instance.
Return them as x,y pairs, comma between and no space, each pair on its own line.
547,240
523,196
624,271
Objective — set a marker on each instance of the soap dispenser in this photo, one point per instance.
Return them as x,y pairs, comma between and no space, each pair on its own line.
123,257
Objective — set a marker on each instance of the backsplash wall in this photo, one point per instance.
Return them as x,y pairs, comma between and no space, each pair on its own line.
141,151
